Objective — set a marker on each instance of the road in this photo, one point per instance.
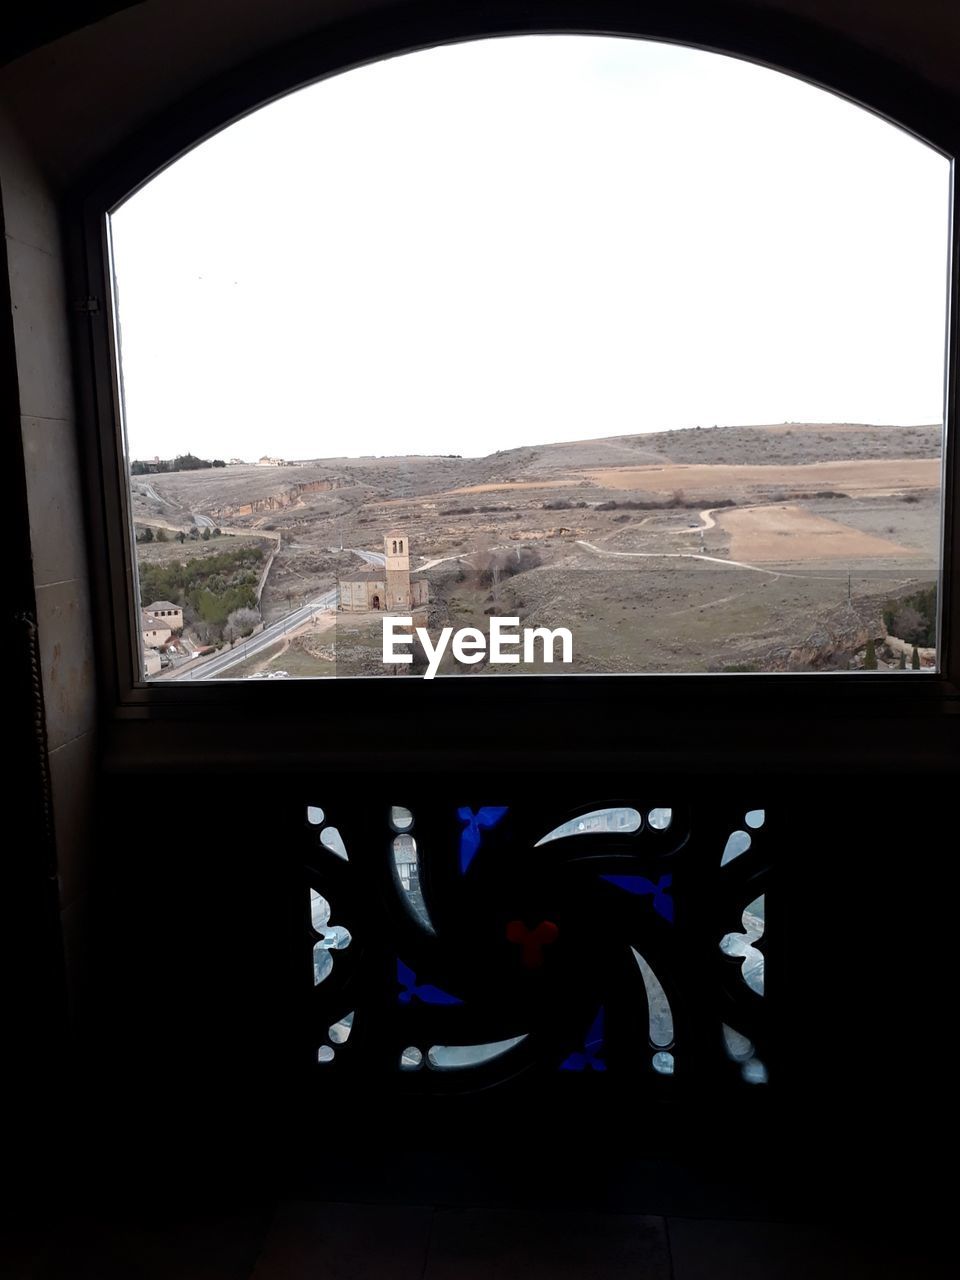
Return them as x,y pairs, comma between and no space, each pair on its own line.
376,558
256,644
150,492
277,630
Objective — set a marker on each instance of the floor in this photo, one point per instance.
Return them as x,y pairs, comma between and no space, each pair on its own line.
308,1240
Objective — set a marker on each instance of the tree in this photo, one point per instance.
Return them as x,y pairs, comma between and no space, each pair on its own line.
240,623
148,534
161,535
902,664
908,624
206,534
181,536
915,659
870,657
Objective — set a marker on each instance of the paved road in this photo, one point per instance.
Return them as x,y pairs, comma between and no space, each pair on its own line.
256,644
376,558
150,492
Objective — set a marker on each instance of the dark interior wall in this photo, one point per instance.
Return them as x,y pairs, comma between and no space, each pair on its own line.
116,75
186,891
202,1018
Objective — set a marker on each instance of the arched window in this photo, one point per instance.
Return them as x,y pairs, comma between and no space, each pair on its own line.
692,303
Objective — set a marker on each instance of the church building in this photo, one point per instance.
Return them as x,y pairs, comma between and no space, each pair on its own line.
390,588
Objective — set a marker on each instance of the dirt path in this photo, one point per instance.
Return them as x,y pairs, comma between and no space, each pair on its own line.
696,555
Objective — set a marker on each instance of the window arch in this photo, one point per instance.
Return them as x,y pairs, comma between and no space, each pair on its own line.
699,547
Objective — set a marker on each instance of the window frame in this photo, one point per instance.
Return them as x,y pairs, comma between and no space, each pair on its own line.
792,46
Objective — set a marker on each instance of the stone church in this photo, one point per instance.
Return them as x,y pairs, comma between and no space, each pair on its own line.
390,588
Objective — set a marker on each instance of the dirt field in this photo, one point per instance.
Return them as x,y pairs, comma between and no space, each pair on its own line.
787,534
869,477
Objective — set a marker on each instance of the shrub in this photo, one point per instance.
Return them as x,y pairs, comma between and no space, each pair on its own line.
914,617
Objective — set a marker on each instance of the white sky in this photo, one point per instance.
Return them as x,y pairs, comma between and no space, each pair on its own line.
527,240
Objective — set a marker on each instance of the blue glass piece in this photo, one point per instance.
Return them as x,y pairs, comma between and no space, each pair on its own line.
662,902
590,1057
474,824
424,992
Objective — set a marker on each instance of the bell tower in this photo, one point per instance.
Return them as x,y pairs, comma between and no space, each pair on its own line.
396,549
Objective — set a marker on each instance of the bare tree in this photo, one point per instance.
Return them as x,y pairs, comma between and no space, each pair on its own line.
908,623
240,623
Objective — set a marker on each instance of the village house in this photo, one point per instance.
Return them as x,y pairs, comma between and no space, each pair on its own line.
156,631
170,613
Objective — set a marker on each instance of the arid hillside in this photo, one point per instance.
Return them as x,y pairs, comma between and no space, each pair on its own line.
694,549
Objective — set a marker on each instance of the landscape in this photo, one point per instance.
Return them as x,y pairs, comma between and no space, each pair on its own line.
794,547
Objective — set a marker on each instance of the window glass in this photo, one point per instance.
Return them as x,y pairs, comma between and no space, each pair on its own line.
538,355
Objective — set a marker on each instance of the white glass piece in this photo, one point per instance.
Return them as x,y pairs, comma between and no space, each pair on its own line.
599,822
401,819
406,870
322,963
738,842
660,819
741,944
339,1033
738,1047
314,815
331,839
448,1057
319,910
325,1053
755,818
754,1072
411,1059
663,1063
658,1006
336,938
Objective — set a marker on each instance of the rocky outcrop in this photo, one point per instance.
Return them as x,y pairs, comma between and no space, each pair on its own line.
836,637
278,501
